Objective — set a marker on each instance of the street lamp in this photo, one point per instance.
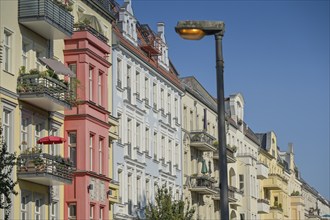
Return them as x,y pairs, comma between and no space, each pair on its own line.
196,30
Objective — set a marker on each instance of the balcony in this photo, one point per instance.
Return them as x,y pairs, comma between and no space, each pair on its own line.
201,140
44,92
44,169
234,195
263,206
113,193
83,27
230,155
262,171
48,18
201,184
275,182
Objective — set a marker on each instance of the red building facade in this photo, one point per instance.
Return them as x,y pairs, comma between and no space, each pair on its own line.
87,128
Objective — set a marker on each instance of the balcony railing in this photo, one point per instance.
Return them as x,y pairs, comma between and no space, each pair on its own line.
201,184
85,27
230,155
263,206
275,182
234,194
44,169
202,140
46,17
262,171
45,92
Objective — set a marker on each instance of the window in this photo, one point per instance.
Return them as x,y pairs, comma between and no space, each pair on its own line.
185,117
242,216
162,98
25,54
90,78
138,188
177,154
129,193
91,212
241,182
101,213
138,136
120,182
146,88
169,103
129,130
7,126
169,150
37,209
119,73
128,76
7,50
72,144
176,108
24,133
73,80
53,210
137,80
99,88
91,137
24,207
120,136
100,155
147,141
72,211
154,96
163,147
147,190
155,145
191,120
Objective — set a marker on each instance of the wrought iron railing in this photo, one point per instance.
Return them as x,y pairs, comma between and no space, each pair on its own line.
201,136
33,163
36,84
86,27
201,181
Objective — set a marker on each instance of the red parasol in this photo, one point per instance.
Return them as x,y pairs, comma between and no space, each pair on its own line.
51,140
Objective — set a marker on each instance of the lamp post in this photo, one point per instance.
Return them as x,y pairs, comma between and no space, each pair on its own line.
196,30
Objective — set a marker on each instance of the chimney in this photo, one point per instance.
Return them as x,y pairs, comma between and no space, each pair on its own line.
290,148
161,28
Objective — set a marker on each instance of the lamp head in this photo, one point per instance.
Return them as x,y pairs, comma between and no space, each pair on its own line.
196,30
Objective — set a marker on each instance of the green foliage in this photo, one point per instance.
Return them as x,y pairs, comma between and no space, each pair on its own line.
7,162
295,193
167,209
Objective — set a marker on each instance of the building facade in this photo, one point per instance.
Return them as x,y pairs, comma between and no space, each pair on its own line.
33,101
146,101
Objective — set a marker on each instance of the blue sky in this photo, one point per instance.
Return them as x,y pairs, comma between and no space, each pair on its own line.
276,54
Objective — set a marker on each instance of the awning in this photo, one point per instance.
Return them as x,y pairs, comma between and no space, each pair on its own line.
57,66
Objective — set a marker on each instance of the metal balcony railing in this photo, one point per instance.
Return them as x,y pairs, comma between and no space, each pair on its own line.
32,85
40,167
40,14
85,27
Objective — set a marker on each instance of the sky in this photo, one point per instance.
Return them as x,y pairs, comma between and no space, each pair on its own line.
276,54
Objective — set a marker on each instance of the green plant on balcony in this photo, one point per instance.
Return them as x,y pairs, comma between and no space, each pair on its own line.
82,24
215,143
67,5
295,193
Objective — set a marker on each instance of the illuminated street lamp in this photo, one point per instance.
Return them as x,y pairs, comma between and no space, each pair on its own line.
196,30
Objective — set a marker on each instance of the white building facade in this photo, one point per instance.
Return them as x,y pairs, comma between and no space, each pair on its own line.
146,101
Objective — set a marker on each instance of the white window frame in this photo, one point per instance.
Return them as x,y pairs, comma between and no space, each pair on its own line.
99,87
101,155
37,208
91,139
72,207
91,211
53,210
8,38
90,81
72,145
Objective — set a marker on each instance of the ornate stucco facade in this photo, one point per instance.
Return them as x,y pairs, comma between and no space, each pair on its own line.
146,101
